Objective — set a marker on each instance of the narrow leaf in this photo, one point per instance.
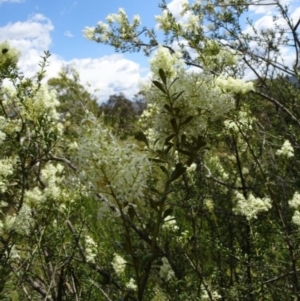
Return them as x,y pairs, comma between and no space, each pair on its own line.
146,259
168,108
168,212
164,170
162,75
131,212
200,142
174,125
159,86
142,137
169,138
189,119
179,170
185,152
174,98
173,82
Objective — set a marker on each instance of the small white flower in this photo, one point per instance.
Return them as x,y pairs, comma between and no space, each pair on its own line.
136,19
295,201
131,285
166,271
192,168
170,224
286,150
89,32
90,249
119,264
252,206
296,218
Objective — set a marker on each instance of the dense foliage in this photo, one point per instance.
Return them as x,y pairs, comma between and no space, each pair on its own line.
202,203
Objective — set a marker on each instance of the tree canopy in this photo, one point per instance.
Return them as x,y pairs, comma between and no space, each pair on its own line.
203,203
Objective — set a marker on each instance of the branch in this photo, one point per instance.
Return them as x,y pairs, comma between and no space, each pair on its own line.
281,106
281,276
63,160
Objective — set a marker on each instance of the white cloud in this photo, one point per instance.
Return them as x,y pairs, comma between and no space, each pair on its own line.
31,37
33,33
267,6
68,34
110,74
175,6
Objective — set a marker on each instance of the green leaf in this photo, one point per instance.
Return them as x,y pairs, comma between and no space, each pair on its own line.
131,212
159,86
185,152
169,138
164,170
142,137
168,108
174,125
162,76
172,83
146,259
153,205
189,119
168,212
166,151
175,96
156,160
156,140
179,170
200,142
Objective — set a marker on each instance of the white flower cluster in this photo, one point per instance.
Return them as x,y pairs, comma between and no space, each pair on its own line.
43,102
164,21
166,271
186,23
191,169
183,238
234,85
10,57
214,165
193,24
170,224
104,32
6,169
201,99
286,150
131,285
24,220
3,123
295,204
214,294
90,249
119,264
89,32
295,201
296,218
52,177
251,206
243,121
40,104
172,64
117,170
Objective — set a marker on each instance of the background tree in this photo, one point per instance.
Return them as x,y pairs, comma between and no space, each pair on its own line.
73,97
242,202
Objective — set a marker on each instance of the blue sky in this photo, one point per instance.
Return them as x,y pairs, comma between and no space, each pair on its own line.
33,26
69,17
